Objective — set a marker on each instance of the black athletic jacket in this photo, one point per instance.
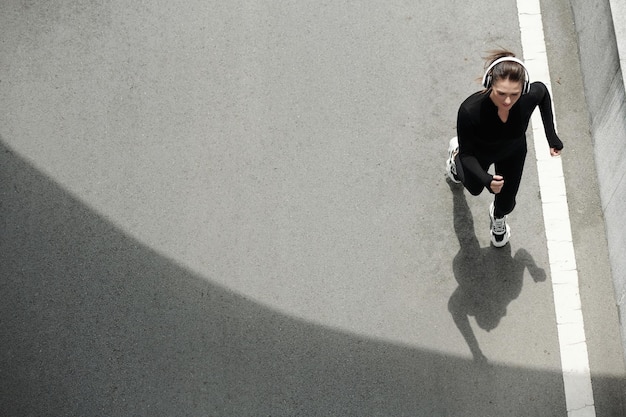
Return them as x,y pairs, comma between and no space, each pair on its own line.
483,137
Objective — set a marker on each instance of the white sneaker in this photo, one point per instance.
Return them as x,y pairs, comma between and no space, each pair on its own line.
500,231
453,149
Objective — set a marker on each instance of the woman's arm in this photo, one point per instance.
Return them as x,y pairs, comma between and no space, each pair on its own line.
547,117
467,140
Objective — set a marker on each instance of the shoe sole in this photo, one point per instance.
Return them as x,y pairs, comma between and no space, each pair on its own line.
449,164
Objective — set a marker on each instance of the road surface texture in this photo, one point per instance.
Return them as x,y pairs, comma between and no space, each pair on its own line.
239,209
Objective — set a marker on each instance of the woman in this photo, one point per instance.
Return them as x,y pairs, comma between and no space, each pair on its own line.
491,128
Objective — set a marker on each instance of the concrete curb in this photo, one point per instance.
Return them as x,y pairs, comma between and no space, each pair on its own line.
618,13
601,30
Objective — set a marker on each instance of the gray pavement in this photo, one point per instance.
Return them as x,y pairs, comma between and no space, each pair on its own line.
239,209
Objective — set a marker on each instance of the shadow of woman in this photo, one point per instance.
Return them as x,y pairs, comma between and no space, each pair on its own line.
489,278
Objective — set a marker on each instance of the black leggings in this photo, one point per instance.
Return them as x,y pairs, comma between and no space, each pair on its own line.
510,168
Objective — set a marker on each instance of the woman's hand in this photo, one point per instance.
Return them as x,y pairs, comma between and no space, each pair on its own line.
496,184
555,152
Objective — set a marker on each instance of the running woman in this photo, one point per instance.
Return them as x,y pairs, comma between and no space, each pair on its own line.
491,129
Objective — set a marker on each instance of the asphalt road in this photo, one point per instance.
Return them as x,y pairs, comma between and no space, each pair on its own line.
239,209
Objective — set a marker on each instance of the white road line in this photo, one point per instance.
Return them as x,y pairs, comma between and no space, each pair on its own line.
569,317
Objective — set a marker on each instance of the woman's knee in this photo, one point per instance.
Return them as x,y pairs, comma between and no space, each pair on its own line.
474,190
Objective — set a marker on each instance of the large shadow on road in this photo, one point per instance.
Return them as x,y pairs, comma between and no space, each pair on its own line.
95,323
489,278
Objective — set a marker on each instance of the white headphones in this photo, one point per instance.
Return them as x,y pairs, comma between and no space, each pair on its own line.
487,78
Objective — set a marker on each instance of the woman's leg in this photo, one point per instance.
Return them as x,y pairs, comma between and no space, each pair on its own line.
511,169
471,183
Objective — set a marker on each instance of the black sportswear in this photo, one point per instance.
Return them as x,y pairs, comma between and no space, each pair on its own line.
484,138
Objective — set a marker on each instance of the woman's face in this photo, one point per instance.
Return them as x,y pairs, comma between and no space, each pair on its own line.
505,93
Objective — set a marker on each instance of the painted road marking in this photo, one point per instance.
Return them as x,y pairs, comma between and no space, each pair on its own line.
569,317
